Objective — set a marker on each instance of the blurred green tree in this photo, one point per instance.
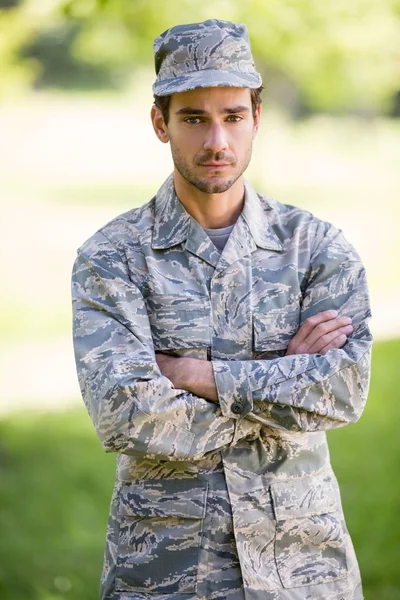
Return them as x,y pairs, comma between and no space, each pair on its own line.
15,30
334,57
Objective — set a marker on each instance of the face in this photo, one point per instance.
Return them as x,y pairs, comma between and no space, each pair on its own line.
211,133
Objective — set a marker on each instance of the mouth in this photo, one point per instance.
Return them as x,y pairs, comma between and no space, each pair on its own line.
215,166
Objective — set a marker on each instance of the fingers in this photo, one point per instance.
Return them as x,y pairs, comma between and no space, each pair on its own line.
338,342
324,333
312,322
336,339
321,332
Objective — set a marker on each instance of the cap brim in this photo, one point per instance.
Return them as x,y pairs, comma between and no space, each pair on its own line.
206,78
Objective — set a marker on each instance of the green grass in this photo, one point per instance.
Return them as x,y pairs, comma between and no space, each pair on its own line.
56,485
366,459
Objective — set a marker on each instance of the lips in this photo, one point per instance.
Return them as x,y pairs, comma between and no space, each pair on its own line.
215,165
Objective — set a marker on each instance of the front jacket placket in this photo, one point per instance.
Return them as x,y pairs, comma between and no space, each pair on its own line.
231,322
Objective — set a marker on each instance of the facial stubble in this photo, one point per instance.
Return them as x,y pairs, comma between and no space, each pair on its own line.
209,185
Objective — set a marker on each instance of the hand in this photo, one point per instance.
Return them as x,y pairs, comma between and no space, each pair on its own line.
320,333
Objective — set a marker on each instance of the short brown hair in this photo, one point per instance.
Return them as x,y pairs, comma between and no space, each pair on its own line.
163,102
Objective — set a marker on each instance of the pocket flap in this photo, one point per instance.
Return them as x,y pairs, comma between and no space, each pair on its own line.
179,322
274,330
164,498
304,497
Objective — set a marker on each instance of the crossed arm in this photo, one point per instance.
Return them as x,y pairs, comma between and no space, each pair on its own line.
317,335
181,408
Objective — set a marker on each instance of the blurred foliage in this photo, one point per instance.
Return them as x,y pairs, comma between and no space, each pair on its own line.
59,65
15,31
4,4
314,56
57,483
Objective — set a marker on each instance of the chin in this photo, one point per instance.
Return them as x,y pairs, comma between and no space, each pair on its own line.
215,186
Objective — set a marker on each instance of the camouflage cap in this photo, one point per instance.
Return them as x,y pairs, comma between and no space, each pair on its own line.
208,54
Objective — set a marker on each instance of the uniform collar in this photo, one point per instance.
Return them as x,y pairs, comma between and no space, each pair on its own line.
258,217
171,222
173,225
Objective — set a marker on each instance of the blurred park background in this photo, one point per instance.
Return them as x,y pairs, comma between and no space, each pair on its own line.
77,148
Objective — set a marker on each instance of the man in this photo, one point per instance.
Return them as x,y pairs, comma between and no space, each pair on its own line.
218,334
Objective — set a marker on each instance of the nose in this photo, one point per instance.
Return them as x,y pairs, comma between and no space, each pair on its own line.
216,138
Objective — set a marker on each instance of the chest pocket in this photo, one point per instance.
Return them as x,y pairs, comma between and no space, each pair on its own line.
273,331
179,323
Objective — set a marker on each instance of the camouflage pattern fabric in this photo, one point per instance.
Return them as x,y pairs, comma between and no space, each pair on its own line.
237,499
208,54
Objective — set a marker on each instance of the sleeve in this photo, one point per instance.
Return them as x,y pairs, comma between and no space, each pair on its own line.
133,407
310,392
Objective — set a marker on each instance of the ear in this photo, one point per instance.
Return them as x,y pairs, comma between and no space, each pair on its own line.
159,125
257,119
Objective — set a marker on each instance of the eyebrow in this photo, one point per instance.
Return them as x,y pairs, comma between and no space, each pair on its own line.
188,110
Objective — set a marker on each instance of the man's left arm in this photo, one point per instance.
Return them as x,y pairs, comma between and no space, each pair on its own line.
308,392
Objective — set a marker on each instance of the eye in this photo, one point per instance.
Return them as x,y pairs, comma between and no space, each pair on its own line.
193,120
234,118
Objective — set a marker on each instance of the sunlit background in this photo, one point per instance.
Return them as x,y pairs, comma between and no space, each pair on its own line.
77,148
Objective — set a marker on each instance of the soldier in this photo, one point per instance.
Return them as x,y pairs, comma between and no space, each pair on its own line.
218,334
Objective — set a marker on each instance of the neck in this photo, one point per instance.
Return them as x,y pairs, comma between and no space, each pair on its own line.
212,211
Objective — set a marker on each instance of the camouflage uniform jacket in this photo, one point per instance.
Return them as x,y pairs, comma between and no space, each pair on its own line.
236,499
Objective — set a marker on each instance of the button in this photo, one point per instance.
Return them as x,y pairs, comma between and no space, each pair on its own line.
237,408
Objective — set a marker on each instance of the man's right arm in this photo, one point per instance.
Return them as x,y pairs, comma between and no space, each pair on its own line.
134,408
